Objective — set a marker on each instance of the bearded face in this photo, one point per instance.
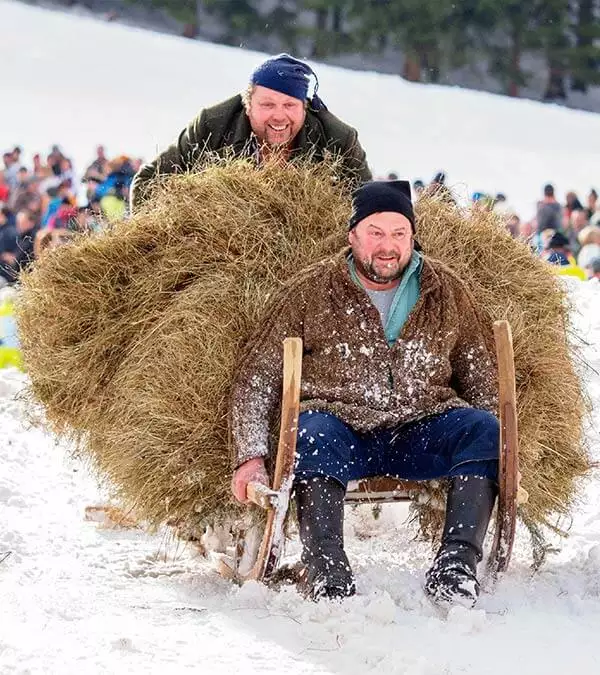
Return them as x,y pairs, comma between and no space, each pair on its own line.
275,118
382,247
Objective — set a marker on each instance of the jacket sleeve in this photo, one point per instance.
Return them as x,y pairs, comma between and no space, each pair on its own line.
356,158
178,157
257,387
473,359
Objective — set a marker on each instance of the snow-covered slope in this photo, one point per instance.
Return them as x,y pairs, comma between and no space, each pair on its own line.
77,598
78,82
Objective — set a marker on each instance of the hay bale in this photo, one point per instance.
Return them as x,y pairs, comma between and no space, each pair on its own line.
130,336
509,283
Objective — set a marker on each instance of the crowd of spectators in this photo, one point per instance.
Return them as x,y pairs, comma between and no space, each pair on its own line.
565,235
44,202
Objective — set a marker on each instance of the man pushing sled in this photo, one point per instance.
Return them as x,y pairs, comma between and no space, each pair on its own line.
399,379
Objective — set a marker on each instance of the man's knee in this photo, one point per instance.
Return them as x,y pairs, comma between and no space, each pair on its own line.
487,427
479,449
481,418
473,424
325,446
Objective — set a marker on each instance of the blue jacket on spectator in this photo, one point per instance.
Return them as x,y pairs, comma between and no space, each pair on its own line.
114,182
20,245
53,207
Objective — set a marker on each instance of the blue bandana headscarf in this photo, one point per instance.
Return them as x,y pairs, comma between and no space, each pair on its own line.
289,76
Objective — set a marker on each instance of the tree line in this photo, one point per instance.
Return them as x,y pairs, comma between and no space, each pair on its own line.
434,36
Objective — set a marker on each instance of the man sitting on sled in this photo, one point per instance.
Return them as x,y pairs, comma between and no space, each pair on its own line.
398,379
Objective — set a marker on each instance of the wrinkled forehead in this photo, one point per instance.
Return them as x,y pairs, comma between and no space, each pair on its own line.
385,221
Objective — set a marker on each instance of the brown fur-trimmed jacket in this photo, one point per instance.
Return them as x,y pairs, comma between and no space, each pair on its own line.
444,357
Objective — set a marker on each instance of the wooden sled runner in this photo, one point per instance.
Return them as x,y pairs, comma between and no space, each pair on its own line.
257,553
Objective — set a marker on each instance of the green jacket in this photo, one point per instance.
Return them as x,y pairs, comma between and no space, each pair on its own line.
226,125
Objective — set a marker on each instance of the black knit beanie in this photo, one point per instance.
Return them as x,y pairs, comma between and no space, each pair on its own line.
380,196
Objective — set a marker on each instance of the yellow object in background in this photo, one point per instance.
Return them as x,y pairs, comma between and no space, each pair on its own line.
571,271
113,208
10,353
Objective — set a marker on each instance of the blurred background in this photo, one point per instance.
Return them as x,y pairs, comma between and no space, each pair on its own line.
541,49
496,99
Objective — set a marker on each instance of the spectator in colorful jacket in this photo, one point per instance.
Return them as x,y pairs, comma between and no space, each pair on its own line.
120,174
4,189
17,245
62,193
113,192
558,253
64,217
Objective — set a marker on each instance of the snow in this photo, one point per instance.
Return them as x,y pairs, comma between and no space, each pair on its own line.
80,597
80,81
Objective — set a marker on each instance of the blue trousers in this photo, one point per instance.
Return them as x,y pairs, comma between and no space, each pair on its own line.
459,442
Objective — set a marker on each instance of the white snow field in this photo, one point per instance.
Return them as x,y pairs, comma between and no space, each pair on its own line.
80,598
79,82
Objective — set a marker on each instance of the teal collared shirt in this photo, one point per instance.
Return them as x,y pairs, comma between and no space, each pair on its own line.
405,299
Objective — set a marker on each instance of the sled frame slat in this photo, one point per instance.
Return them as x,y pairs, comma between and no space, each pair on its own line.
508,468
275,499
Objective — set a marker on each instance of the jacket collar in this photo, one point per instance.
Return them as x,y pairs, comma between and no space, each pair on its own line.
241,135
350,297
430,280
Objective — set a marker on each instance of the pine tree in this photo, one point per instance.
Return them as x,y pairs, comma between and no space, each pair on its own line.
512,30
553,19
419,28
585,55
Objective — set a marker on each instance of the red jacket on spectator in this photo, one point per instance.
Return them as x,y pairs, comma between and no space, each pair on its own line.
63,217
4,190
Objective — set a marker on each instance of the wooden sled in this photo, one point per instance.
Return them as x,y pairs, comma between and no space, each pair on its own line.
257,553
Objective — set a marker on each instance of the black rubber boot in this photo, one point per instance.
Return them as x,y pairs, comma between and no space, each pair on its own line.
453,575
320,509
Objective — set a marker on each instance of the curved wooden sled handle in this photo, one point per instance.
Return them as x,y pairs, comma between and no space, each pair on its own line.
262,496
508,469
275,500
